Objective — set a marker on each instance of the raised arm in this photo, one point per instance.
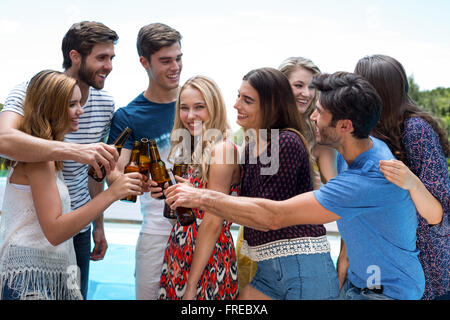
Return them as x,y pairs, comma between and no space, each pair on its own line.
58,227
17,145
257,213
399,174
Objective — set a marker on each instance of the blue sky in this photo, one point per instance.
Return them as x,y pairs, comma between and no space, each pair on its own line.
225,40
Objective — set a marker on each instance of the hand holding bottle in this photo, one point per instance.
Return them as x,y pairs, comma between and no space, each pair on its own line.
127,184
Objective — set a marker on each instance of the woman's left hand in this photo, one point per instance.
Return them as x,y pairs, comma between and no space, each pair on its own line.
399,174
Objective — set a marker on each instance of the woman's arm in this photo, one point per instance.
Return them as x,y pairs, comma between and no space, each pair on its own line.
342,264
399,174
326,160
219,179
58,227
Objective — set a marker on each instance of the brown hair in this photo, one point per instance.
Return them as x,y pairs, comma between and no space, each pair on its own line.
278,107
349,96
153,37
389,78
83,36
46,106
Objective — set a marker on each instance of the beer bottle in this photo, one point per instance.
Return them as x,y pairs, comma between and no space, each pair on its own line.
144,157
120,141
179,169
169,213
133,166
158,169
184,215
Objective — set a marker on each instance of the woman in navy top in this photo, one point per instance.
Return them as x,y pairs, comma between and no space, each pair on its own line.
292,262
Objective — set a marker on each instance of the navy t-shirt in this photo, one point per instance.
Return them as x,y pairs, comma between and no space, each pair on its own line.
378,225
150,120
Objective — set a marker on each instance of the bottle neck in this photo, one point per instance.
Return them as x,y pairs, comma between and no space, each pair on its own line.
122,138
154,154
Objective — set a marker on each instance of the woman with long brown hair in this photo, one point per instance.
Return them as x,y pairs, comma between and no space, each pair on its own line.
293,263
421,146
37,258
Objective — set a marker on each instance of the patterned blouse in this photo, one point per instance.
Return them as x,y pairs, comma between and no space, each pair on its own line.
427,161
292,178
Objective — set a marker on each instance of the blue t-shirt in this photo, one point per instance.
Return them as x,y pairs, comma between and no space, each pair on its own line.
150,120
378,224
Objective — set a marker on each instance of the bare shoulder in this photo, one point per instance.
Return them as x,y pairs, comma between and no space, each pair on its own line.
39,171
322,151
224,152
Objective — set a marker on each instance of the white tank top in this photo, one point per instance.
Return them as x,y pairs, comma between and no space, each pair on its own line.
28,261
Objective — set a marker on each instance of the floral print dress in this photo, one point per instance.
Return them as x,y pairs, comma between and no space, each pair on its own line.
219,279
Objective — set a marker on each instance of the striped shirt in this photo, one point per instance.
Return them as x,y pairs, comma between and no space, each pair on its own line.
93,127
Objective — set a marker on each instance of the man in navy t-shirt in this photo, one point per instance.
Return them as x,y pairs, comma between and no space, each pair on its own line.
150,115
376,218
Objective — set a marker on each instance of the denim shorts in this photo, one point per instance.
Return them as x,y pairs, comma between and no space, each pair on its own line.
297,277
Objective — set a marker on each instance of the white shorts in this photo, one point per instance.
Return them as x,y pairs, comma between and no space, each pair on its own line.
150,250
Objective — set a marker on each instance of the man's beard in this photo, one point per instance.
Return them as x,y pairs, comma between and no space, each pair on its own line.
88,76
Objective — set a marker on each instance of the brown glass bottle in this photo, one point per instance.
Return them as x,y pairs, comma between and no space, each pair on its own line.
120,141
184,215
144,158
158,169
133,166
180,169
169,213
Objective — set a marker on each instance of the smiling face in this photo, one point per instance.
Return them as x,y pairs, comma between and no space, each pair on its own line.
75,109
165,66
326,132
193,110
300,78
248,107
95,67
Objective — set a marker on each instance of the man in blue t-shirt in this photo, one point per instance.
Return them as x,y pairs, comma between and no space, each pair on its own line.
376,219
150,115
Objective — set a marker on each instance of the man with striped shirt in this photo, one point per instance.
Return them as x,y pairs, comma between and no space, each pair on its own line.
88,49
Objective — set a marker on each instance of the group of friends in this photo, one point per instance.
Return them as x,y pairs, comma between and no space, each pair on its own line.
350,147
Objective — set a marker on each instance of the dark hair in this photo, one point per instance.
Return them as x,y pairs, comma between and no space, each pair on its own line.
349,96
83,36
153,37
389,79
278,107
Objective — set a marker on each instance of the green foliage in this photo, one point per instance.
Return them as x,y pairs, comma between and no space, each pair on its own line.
436,101
1,106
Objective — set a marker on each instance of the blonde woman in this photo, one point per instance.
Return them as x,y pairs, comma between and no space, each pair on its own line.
37,258
200,260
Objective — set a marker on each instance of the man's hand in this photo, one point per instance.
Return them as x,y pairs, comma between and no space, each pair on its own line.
98,253
95,155
183,195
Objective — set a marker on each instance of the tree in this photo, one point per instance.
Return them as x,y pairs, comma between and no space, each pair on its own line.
436,101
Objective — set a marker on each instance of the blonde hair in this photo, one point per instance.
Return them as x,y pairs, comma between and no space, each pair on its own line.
288,66
46,106
201,152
